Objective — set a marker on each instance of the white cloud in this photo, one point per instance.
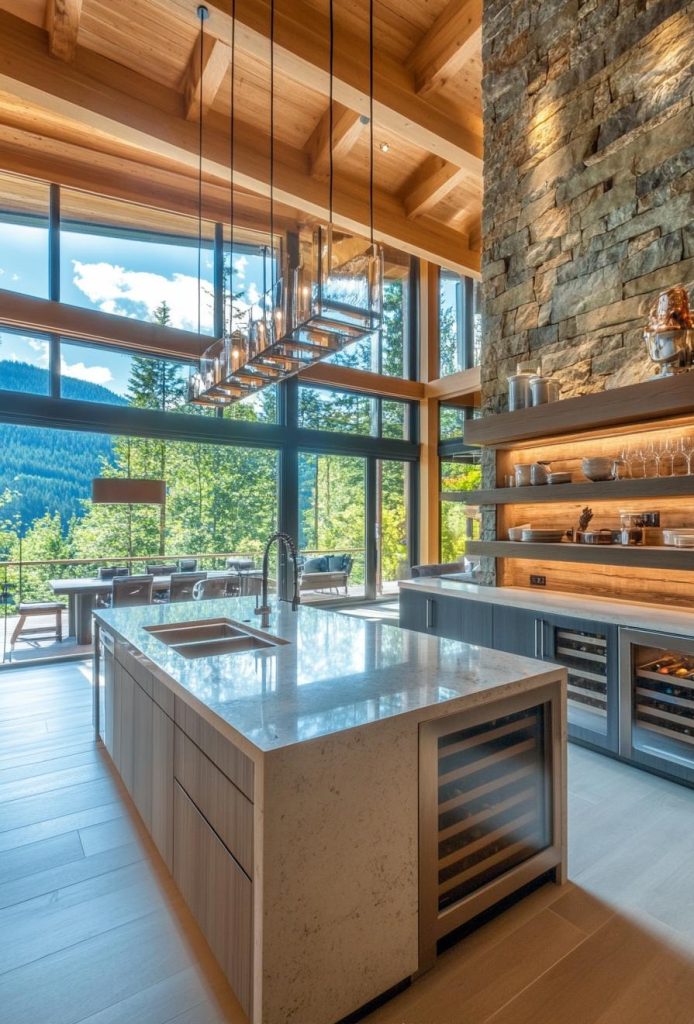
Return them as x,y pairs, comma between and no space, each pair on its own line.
240,267
137,293
34,344
93,374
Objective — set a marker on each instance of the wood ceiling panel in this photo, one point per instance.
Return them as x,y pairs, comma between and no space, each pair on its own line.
150,42
465,88
459,207
391,169
33,11
297,109
135,34
398,24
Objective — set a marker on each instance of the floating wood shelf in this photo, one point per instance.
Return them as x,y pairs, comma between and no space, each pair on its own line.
609,490
638,556
637,404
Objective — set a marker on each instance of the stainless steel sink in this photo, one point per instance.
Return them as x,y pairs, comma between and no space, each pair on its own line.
212,637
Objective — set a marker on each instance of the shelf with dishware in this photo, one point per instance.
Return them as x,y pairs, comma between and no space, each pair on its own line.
631,483
585,490
661,401
634,556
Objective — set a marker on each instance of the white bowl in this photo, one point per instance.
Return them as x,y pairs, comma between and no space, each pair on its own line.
516,532
678,538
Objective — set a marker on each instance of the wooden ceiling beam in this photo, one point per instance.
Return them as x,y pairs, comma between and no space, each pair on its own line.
364,381
430,183
203,77
27,313
63,23
301,53
447,47
75,167
28,73
347,127
462,384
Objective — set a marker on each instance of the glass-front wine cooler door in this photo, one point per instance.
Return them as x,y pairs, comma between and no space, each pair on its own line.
485,811
657,678
588,652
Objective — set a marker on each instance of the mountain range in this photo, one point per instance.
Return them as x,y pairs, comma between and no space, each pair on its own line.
49,470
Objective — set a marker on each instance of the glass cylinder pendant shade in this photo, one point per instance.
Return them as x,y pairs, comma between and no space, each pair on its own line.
332,298
340,291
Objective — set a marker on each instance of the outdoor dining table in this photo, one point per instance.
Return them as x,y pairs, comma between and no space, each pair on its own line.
82,595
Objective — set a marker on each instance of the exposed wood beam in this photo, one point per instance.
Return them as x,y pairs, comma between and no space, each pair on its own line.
363,381
301,53
463,384
75,167
430,183
44,316
347,127
151,128
447,47
474,234
63,23
204,76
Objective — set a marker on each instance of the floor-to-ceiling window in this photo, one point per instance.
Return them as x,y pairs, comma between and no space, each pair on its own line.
332,522
460,323
232,475
394,527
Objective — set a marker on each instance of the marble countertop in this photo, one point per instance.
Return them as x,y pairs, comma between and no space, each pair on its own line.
602,609
336,673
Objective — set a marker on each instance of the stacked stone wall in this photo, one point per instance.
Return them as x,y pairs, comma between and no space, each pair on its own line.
589,184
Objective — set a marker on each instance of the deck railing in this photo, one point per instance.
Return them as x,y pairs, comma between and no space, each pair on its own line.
29,580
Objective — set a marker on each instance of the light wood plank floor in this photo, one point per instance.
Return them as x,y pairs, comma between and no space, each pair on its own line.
93,932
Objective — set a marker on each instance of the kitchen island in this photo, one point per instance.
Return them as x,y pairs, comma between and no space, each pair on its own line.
332,796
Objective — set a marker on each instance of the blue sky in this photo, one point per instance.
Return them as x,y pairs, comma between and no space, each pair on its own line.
130,277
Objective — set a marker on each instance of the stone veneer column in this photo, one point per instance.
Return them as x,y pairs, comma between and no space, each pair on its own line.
588,179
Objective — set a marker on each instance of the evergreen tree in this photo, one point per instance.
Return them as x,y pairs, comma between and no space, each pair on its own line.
157,383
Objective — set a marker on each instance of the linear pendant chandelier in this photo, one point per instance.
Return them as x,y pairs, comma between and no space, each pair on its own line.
330,299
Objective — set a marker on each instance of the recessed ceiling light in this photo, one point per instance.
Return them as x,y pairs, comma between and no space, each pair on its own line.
384,147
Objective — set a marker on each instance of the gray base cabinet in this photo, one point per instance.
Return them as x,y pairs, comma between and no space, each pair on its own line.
587,649
449,617
515,631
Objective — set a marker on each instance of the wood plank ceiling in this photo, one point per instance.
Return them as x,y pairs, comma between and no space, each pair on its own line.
105,96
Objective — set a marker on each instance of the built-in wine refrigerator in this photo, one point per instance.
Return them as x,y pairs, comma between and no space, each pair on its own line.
657,702
489,812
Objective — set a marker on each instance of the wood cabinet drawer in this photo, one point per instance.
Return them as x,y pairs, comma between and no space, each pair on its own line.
162,784
224,806
149,677
218,893
236,765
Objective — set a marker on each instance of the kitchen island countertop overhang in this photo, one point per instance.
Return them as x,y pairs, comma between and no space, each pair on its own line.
337,672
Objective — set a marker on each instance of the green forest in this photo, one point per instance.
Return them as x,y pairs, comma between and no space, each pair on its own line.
220,498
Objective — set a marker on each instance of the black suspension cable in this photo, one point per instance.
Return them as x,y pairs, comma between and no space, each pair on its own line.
232,154
371,119
202,14
272,150
330,109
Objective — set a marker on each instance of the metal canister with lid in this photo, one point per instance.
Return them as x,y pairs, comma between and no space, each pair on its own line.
519,391
539,390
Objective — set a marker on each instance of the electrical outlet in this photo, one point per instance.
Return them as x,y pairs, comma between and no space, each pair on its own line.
538,581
